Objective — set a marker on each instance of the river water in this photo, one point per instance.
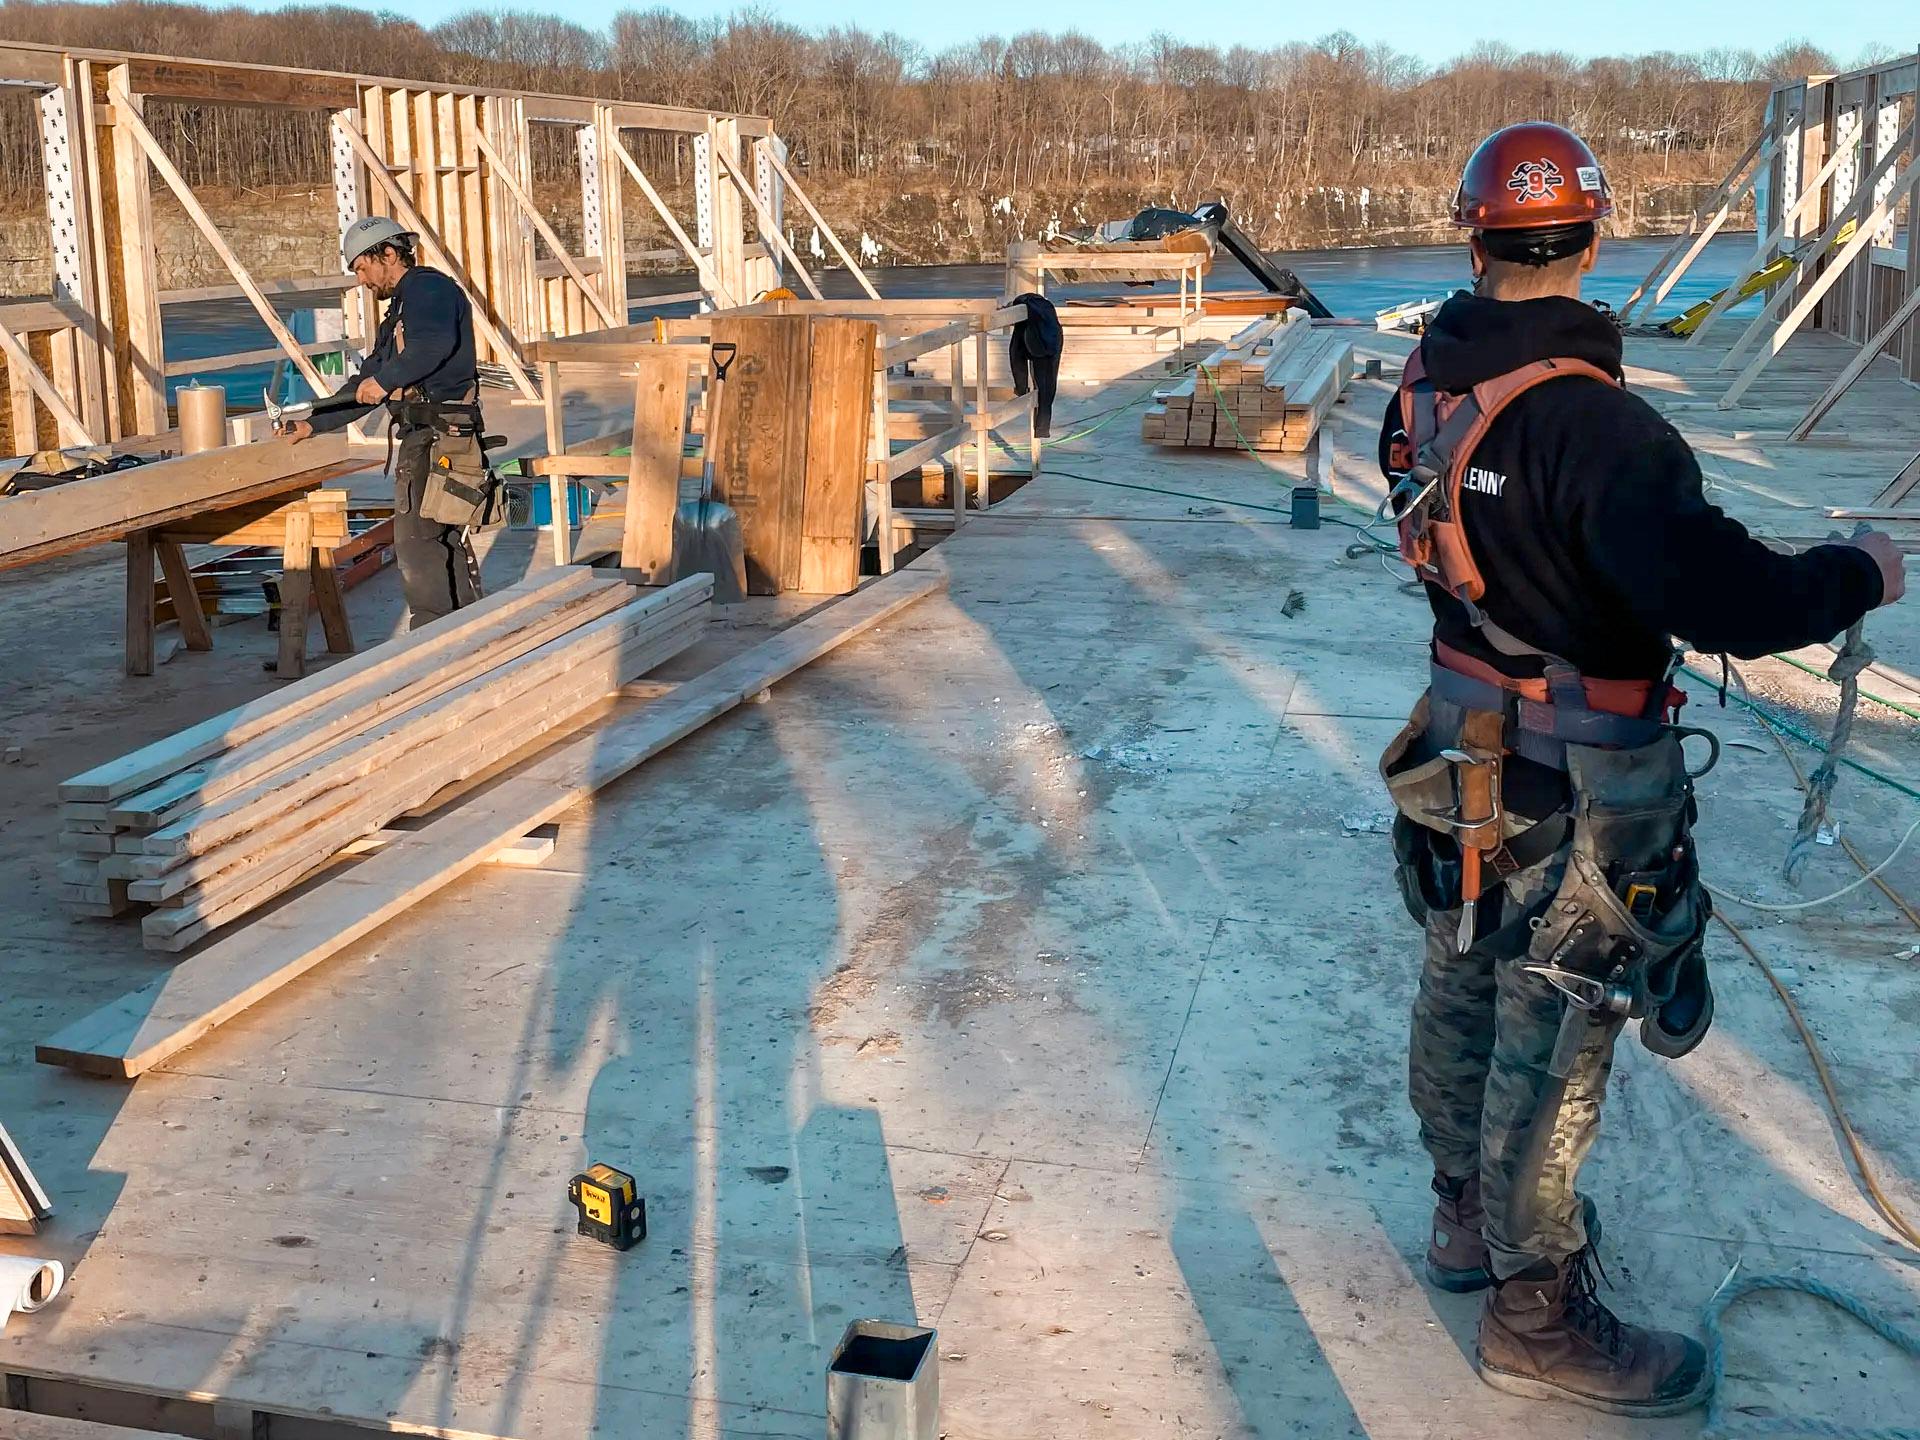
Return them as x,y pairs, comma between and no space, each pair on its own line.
1354,283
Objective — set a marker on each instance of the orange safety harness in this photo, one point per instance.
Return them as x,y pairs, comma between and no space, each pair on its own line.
1499,714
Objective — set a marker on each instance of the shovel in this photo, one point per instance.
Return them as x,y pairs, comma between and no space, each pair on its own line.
706,532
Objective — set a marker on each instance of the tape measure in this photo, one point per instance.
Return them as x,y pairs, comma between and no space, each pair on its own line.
610,1209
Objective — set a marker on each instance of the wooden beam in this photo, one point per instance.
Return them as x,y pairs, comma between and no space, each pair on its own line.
504,173
1856,367
910,347
1810,256
287,287
236,359
1711,228
24,316
906,461
709,276
73,430
170,79
65,518
403,206
1719,191
806,202
1836,267
130,285
183,593
768,226
129,117
130,1036
1730,296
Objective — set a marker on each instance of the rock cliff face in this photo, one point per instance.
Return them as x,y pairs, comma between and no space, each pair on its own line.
290,231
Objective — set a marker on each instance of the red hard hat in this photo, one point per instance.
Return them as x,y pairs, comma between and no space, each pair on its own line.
1528,176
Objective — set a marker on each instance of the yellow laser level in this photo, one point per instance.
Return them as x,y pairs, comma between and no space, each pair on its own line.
610,1209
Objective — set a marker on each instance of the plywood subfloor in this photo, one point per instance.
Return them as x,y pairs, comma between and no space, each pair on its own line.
1030,967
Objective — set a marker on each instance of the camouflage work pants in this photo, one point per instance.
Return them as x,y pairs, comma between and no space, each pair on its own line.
1483,1033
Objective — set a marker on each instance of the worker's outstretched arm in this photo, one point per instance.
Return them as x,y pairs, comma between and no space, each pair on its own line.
1685,568
338,419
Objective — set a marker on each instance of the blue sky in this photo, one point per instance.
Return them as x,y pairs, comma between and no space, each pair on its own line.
1431,29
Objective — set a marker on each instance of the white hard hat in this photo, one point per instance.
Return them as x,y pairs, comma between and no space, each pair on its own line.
367,233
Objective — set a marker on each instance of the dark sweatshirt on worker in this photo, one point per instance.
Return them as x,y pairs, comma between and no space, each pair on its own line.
1589,523
424,345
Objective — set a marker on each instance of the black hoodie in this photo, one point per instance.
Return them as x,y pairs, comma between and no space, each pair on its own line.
1589,523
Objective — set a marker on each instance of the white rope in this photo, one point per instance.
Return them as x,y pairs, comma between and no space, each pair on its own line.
1824,899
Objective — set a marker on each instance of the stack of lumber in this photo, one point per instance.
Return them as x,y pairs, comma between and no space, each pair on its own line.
210,823
1269,388
130,1035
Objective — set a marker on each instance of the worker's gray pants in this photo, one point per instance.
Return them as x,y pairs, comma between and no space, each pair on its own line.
438,571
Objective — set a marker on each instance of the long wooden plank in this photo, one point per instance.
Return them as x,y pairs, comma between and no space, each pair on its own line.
140,768
300,841
381,798
364,749
58,521
199,787
836,447
139,1031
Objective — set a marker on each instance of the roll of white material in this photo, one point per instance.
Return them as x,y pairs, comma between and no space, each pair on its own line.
203,417
26,1284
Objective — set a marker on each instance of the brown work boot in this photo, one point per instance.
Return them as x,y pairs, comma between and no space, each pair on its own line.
1456,1253
1547,1336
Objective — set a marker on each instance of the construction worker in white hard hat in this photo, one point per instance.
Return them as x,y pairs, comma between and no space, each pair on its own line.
422,368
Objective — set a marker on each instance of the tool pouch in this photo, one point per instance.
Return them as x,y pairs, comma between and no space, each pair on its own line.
1419,780
1630,908
461,488
1421,785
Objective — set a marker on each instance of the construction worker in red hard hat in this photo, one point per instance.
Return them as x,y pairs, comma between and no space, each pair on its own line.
1543,836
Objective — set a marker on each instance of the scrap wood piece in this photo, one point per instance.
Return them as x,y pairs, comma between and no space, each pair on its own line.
23,1203
130,1036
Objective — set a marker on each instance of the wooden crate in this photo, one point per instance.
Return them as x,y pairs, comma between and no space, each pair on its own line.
794,420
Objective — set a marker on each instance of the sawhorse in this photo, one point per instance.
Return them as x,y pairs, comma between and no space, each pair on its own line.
307,528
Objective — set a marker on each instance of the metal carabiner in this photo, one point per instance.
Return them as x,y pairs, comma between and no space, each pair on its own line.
1386,511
